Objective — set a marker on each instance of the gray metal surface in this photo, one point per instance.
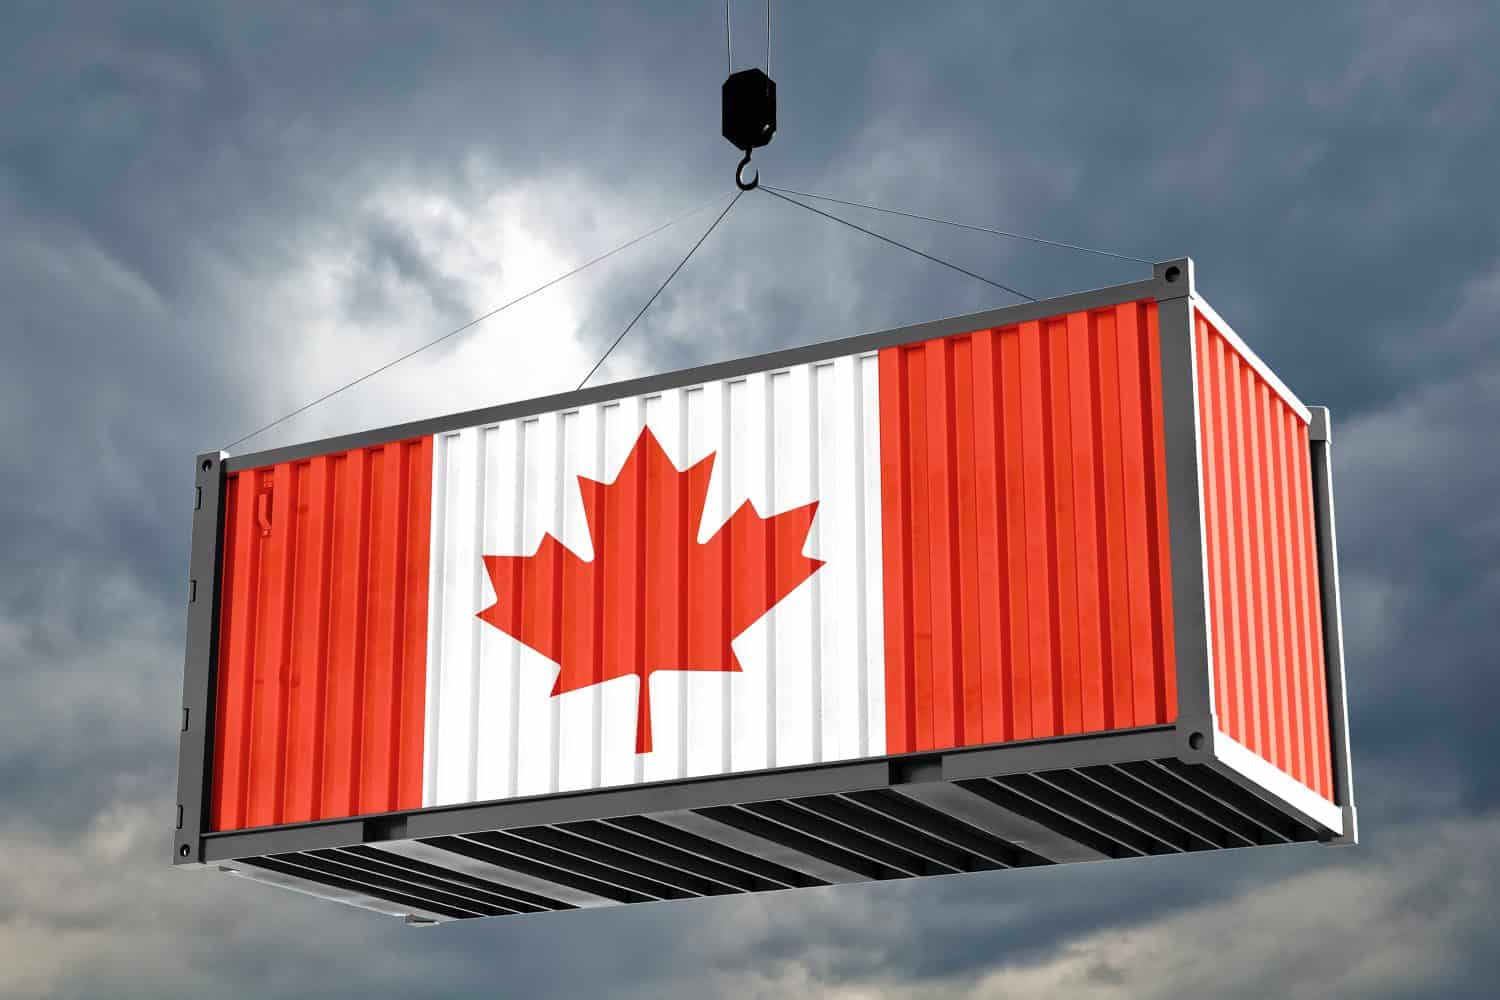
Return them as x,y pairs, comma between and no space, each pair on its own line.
1068,813
1333,620
1025,756
407,908
1179,392
696,793
1252,795
981,813
195,739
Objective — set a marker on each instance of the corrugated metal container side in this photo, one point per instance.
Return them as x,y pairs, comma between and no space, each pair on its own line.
1026,553
1270,684
323,631
1050,583
987,517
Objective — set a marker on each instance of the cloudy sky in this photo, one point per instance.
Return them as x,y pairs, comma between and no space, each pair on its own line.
210,213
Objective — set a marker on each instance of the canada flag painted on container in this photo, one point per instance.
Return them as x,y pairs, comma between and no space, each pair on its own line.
944,543
677,584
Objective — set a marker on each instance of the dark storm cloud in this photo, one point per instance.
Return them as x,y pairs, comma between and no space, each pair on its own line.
164,169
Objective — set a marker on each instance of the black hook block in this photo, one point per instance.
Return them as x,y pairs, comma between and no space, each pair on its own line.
749,109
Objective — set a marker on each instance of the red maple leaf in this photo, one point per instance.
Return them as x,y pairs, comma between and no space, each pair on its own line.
653,597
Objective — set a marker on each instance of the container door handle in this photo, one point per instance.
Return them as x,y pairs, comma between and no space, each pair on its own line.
263,512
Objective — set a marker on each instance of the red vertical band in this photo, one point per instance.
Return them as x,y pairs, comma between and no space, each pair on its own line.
1023,503
323,637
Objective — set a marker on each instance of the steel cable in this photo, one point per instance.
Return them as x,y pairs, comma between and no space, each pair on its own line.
470,324
768,37
960,225
629,326
897,243
729,46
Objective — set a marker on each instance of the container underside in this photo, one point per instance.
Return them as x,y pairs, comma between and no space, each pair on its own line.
937,814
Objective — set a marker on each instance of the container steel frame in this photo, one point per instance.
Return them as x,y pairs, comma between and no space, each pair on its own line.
1193,778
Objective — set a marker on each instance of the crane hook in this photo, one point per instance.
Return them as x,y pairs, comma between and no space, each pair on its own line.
739,175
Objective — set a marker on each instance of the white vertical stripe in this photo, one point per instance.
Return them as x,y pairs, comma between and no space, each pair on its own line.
795,683
474,582
458,656
514,493
575,725
535,721
870,567
839,590
749,480
435,624
554,505
811,685
494,771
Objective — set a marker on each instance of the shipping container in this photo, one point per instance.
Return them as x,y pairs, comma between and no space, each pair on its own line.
1056,582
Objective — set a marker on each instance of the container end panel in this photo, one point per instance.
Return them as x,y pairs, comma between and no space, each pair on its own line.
1270,690
322,637
1026,573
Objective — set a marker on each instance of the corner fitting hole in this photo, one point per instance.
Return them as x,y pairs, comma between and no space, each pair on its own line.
1196,741
208,463
1171,274
184,851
